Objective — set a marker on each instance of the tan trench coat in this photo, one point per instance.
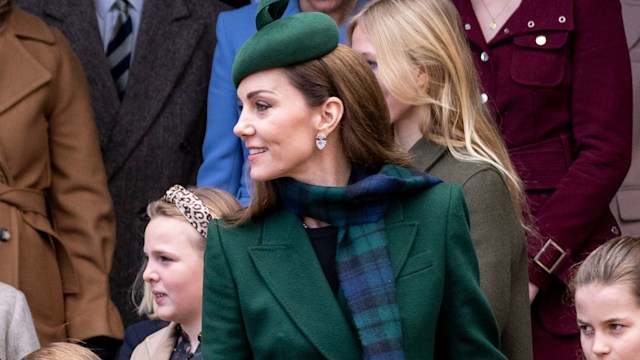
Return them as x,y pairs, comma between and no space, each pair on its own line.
57,229
157,346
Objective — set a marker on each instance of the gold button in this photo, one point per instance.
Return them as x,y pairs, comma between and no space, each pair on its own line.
541,40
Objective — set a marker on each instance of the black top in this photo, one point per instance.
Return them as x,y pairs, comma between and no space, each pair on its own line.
325,243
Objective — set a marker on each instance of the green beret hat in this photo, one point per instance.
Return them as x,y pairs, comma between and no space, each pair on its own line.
284,41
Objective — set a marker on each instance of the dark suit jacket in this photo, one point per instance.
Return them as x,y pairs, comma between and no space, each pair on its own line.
558,79
154,138
266,297
498,239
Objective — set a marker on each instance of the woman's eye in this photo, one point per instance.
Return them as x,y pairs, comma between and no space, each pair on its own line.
262,106
373,64
165,259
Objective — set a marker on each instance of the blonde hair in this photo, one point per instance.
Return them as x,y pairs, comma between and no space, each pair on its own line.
427,35
219,203
366,135
615,262
62,351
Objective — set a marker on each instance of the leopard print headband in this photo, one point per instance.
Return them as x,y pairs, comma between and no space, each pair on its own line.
190,206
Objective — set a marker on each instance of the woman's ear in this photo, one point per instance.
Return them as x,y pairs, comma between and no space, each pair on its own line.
331,112
422,79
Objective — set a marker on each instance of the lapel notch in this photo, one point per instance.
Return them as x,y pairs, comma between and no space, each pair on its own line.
20,69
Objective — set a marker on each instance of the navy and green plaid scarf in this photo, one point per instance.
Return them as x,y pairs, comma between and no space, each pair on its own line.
362,259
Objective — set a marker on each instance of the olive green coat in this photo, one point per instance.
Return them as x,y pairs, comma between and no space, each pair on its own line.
498,238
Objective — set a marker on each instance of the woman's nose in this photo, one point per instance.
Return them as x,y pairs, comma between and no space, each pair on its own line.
243,127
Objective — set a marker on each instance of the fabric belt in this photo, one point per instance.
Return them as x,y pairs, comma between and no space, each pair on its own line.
24,199
33,207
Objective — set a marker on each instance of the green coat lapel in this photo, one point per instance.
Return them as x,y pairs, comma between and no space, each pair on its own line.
401,236
310,303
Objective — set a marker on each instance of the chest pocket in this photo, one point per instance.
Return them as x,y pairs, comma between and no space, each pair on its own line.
540,59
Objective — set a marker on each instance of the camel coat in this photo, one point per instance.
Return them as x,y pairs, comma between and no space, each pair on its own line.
157,346
57,231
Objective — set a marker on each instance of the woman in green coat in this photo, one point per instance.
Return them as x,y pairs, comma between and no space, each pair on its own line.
343,252
419,53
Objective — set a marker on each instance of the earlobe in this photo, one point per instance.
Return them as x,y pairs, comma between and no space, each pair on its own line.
332,111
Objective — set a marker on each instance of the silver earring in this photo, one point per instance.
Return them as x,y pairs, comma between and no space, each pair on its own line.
321,141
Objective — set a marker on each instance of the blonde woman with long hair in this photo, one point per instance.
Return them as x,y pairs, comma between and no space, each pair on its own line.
421,59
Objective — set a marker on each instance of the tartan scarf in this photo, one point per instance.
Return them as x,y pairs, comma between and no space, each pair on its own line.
362,259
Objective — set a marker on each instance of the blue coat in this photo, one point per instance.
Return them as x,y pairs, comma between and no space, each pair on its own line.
266,296
224,155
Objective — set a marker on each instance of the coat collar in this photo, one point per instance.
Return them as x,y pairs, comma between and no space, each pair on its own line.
160,344
27,26
532,16
282,258
426,153
17,65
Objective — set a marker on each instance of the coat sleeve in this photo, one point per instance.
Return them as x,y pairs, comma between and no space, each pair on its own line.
80,204
601,109
223,332
466,326
499,241
222,151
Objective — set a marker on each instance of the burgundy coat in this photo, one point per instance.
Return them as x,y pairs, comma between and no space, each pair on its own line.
558,79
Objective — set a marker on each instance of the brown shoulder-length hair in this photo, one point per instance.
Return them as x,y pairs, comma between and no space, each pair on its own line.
615,262
366,135
5,9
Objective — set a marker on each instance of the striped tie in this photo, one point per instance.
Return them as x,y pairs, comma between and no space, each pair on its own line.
119,48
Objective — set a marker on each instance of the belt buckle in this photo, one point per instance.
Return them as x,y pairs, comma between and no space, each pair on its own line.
548,244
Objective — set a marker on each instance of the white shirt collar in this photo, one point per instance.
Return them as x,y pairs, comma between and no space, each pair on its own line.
103,6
